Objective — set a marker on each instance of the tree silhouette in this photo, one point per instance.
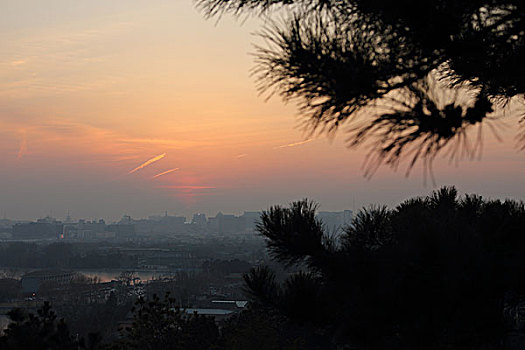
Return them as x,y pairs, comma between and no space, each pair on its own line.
41,331
434,273
409,77
261,329
161,324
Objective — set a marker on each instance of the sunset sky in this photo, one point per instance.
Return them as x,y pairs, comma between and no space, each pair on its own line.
136,107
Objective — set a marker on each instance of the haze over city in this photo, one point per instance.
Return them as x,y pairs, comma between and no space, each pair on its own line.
125,107
262,174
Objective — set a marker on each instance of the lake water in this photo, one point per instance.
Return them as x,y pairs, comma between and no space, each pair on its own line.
105,275
109,275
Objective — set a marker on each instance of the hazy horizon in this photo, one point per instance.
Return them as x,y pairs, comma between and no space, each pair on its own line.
132,108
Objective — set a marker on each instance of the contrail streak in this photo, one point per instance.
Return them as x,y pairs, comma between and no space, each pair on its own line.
23,146
165,172
148,162
294,144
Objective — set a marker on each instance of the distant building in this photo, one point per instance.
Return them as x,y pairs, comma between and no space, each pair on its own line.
122,231
37,230
334,221
167,219
164,225
32,281
87,230
250,219
226,223
6,228
199,220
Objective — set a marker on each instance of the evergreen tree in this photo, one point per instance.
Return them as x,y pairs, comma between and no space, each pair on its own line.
42,331
410,77
162,325
433,273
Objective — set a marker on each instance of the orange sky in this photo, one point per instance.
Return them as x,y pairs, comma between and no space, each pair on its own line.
91,90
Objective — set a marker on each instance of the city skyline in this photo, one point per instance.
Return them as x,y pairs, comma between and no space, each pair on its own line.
69,217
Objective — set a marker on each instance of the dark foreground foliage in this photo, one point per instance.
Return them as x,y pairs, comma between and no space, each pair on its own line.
439,272
161,324
41,331
157,324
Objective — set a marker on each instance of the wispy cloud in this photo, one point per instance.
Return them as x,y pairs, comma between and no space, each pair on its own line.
56,53
23,145
148,162
294,144
176,144
61,138
240,156
165,172
188,187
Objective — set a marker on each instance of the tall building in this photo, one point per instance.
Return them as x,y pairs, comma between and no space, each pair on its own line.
250,219
37,230
122,231
199,220
335,221
226,223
